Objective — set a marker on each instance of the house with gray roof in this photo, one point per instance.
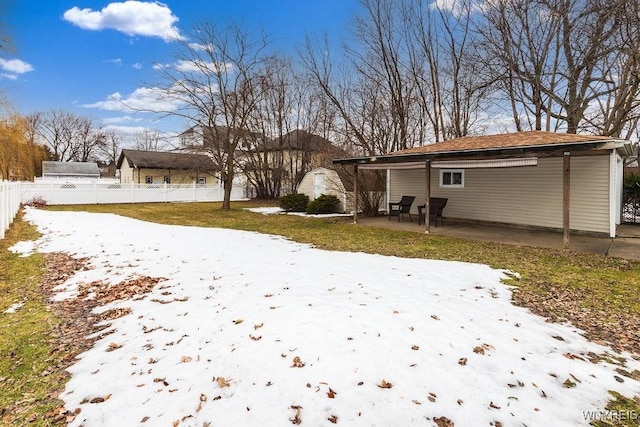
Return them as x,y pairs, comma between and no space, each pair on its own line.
158,167
70,170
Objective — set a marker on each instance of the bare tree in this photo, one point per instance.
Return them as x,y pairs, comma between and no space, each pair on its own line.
68,136
109,150
216,77
150,140
569,64
450,85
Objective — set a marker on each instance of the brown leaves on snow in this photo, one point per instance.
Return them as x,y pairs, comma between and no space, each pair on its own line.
297,363
297,419
222,382
385,384
443,422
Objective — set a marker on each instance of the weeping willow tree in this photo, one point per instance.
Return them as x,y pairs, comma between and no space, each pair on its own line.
20,156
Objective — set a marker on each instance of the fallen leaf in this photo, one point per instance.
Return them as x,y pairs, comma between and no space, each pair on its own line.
238,321
385,384
113,346
443,422
333,419
462,361
435,317
296,418
331,394
297,363
415,347
222,382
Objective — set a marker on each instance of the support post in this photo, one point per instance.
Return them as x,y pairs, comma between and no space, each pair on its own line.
566,198
355,193
427,196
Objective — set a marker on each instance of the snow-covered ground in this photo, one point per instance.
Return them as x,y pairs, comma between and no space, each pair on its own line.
252,329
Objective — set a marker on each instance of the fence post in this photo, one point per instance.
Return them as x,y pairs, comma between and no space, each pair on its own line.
9,205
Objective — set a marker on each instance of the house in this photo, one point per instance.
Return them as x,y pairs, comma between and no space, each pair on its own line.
291,156
157,167
273,166
70,171
528,179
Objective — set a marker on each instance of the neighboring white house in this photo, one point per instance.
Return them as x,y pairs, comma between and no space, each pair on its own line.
320,181
158,167
527,179
69,171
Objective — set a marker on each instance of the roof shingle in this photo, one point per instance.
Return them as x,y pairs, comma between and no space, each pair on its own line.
165,160
505,140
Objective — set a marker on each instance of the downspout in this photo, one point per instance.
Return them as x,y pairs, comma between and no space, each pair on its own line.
614,190
355,193
566,198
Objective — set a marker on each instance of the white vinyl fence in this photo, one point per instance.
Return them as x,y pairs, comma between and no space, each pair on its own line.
77,193
9,204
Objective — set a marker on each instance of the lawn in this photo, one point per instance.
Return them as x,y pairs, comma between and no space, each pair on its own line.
599,294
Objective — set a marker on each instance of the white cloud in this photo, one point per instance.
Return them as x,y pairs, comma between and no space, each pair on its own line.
458,7
15,66
121,119
134,18
116,61
185,66
142,99
127,130
137,66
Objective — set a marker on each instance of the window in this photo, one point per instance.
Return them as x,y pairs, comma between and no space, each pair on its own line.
452,178
202,180
167,180
148,179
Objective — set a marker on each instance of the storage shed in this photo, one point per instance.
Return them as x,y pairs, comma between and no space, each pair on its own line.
322,180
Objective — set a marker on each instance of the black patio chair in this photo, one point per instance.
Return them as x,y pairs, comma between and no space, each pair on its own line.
402,207
436,206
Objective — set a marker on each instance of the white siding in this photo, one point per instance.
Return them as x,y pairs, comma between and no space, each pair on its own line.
333,186
522,195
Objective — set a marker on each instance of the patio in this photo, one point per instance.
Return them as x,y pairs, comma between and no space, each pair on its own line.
625,245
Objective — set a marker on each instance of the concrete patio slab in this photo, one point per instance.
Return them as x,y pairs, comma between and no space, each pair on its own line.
626,246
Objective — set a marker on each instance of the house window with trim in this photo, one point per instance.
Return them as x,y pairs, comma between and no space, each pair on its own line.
202,180
167,180
148,179
452,178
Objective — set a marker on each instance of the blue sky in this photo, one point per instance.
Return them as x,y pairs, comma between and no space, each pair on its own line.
77,55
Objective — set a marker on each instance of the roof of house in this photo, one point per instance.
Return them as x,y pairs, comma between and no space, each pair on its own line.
51,168
165,160
498,145
298,140
505,140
